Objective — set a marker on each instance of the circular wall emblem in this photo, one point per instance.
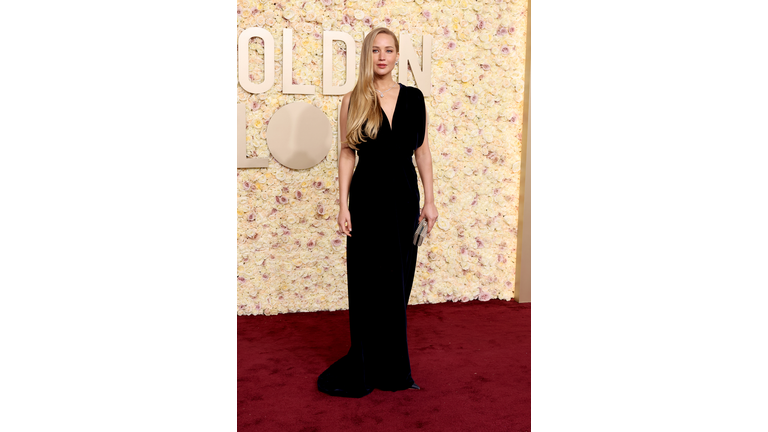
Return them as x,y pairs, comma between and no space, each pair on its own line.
299,135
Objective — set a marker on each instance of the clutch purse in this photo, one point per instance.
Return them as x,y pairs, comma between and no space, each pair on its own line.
421,232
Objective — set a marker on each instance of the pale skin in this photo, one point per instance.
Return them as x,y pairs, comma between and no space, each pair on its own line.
384,58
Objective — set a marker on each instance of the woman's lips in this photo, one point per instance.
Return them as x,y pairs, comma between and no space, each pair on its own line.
382,65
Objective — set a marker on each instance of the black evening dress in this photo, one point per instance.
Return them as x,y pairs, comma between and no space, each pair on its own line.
381,257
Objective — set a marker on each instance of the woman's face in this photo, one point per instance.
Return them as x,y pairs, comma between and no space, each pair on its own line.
384,54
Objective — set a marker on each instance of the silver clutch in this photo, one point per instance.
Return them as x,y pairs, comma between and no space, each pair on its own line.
421,232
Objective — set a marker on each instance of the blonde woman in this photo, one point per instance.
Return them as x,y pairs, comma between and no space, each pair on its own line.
385,123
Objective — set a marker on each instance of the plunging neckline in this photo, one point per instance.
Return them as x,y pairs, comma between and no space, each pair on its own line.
394,111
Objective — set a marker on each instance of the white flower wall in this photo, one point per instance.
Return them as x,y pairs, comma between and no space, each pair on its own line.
290,256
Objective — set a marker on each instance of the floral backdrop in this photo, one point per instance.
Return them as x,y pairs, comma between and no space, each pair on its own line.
290,255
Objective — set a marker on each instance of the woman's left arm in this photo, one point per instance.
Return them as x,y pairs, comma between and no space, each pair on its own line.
424,163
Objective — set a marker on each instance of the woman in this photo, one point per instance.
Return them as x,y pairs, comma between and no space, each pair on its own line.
386,124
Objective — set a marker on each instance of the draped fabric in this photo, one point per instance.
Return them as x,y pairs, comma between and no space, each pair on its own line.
381,257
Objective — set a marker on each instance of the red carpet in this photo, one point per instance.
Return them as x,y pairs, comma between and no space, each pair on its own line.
472,361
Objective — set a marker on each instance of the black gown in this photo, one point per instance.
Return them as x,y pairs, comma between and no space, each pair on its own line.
381,257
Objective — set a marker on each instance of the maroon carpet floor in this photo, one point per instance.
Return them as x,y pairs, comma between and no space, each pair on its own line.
472,361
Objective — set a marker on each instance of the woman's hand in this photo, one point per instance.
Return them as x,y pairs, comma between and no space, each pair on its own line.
430,212
345,222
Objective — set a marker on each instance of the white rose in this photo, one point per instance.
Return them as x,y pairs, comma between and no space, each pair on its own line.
289,13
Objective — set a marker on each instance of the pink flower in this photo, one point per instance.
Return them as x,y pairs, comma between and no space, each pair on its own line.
513,119
480,243
456,105
446,32
254,11
511,30
327,2
298,194
484,296
501,31
505,50
451,45
464,298
427,14
468,150
255,105
442,89
367,21
452,199
320,209
473,99
500,258
239,11
388,20
251,217
281,199
246,185
441,128
485,66
481,24
318,185
336,242
241,279
310,245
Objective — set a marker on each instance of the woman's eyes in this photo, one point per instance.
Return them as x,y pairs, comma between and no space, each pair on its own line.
389,51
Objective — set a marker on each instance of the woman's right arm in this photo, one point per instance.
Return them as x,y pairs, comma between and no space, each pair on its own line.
346,168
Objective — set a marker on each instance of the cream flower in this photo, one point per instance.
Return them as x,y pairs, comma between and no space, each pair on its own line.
289,14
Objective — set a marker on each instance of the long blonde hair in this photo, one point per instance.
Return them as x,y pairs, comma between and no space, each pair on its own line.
363,104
